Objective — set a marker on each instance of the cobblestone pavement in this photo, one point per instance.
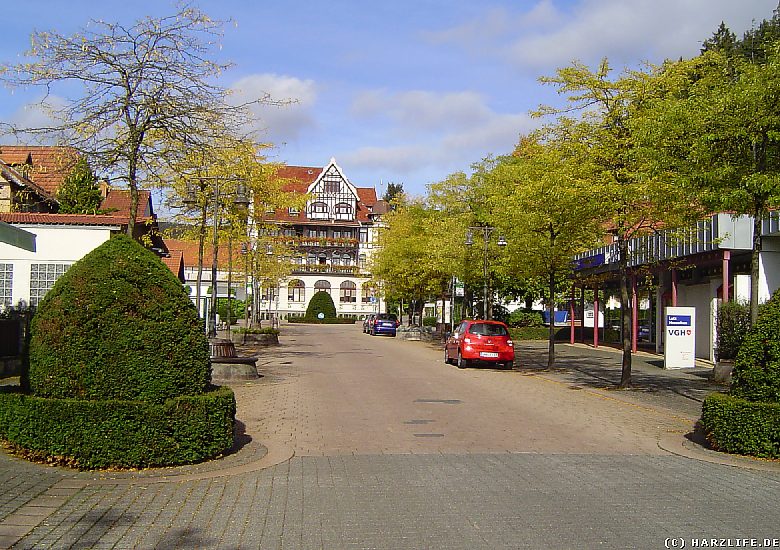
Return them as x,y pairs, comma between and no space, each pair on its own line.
394,449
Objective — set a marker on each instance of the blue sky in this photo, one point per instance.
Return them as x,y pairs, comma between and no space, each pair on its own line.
404,91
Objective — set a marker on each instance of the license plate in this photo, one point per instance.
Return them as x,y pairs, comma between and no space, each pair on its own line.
488,354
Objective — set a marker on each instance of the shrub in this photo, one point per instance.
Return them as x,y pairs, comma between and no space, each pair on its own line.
748,420
237,310
530,333
756,375
118,325
119,371
525,318
321,302
325,321
119,433
264,330
736,425
733,322
430,321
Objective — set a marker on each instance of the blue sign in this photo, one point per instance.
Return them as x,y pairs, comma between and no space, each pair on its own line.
678,320
589,262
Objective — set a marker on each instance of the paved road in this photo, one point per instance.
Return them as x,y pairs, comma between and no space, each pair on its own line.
376,443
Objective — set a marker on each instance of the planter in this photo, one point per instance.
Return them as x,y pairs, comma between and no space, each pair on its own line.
721,373
255,339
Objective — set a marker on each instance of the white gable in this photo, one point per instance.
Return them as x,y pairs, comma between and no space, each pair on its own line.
332,195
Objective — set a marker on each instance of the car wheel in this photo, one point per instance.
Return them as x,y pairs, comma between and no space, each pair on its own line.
461,362
509,365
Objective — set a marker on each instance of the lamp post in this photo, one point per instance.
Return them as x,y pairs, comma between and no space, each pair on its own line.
487,231
240,199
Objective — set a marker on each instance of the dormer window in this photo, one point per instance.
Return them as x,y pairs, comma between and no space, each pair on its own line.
318,210
343,211
293,211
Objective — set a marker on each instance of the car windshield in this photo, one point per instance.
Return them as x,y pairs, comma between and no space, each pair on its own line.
487,329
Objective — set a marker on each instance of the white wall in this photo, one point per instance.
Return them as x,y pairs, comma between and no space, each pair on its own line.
701,296
56,244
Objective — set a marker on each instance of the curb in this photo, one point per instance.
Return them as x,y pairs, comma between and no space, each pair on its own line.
680,445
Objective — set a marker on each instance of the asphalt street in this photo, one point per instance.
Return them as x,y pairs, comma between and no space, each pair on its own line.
353,441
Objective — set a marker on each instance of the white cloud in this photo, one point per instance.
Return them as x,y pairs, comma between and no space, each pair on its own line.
446,131
545,37
422,110
281,123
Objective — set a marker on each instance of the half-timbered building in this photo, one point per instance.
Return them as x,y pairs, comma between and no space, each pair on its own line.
332,239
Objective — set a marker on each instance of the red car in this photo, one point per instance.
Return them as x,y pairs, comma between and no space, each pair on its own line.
480,341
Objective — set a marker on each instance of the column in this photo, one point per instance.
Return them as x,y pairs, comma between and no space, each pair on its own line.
634,314
726,276
596,317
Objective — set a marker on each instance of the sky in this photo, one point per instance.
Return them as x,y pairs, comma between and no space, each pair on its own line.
407,91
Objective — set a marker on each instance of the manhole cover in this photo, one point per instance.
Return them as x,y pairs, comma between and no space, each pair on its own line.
418,421
444,401
428,435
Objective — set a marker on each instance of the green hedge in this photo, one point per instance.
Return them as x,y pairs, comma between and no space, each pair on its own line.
530,333
739,426
117,325
114,433
321,302
325,321
264,330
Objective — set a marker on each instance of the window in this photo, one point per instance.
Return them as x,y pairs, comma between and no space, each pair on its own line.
362,261
332,184
293,211
322,285
343,211
487,329
348,291
269,293
364,234
42,277
296,292
6,284
319,210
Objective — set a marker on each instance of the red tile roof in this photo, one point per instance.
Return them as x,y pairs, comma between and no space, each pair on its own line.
118,203
189,252
296,179
62,219
175,262
46,166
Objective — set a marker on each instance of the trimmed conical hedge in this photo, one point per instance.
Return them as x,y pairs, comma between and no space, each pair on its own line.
119,372
321,302
118,325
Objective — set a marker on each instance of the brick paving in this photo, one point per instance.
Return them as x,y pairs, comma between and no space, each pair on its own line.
394,449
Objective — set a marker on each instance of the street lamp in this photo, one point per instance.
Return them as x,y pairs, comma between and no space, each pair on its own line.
239,199
487,231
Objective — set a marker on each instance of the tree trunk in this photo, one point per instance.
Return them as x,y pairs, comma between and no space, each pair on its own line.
755,263
625,319
551,335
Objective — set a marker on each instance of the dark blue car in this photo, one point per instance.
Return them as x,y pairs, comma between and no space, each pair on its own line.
384,323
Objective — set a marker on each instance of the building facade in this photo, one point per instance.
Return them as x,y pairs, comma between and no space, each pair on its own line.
331,239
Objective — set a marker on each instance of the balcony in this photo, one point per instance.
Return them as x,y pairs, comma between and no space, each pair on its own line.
351,270
318,242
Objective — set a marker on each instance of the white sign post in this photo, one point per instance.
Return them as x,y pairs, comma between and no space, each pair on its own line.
680,345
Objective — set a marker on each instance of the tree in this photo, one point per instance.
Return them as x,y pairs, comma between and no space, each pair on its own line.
723,40
636,194
147,92
394,192
79,193
720,124
544,203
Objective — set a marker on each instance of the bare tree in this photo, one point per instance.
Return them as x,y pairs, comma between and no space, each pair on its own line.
146,93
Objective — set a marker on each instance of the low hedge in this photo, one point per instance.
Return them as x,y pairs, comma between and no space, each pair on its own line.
94,434
739,426
530,333
325,321
264,330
